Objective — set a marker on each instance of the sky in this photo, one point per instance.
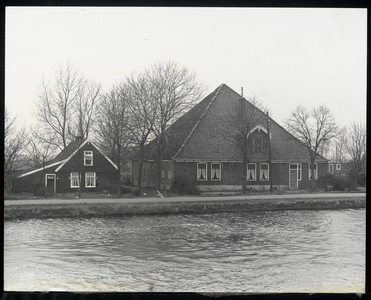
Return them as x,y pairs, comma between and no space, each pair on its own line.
281,56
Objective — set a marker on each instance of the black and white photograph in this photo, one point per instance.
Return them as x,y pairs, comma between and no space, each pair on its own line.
185,149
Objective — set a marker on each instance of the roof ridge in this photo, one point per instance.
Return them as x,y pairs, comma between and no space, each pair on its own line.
198,121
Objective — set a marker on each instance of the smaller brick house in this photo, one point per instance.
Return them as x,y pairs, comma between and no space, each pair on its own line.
81,159
338,168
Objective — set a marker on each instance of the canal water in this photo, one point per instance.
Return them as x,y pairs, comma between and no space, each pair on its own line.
266,251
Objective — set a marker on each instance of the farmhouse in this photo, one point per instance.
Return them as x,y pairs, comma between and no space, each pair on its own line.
82,160
199,150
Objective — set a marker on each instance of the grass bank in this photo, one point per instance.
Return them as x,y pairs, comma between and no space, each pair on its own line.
50,208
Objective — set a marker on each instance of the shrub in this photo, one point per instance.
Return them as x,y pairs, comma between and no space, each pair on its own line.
338,183
38,189
125,190
136,192
185,186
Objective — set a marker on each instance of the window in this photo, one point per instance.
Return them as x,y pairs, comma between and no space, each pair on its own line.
90,179
251,171
162,174
298,168
264,172
338,167
315,172
88,158
169,174
215,172
258,144
331,168
74,180
202,171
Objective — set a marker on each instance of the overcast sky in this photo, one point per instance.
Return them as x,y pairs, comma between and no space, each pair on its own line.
283,57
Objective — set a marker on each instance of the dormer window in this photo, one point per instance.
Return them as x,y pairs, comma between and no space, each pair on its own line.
88,158
258,144
258,140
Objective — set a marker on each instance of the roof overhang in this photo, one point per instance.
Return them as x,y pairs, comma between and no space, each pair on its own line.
40,169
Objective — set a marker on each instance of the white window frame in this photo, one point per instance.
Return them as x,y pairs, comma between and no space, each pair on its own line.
299,173
94,178
220,172
74,174
247,175
168,174
200,179
87,154
338,167
260,172
162,174
315,171
331,168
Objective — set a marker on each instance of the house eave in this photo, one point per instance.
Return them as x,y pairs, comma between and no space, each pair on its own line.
40,169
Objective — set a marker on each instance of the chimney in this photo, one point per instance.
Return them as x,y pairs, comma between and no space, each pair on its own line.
79,138
241,91
242,105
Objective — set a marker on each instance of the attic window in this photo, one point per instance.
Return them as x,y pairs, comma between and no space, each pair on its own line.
202,172
258,144
88,158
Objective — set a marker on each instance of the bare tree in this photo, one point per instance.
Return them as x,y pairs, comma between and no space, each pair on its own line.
244,117
173,90
354,140
111,129
15,141
67,106
41,149
85,109
314,128
141,117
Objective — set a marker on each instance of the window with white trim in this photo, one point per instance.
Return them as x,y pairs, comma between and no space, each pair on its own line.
88,158
74,180
168,174
90,179
201,171
216,171
251,172
338,167
315,172
331,168
162,174
264,172
296,167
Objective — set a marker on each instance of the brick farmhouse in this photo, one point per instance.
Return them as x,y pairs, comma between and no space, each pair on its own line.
200,151
81,158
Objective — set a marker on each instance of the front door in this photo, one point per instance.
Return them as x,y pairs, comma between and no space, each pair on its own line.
293,180
50,183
